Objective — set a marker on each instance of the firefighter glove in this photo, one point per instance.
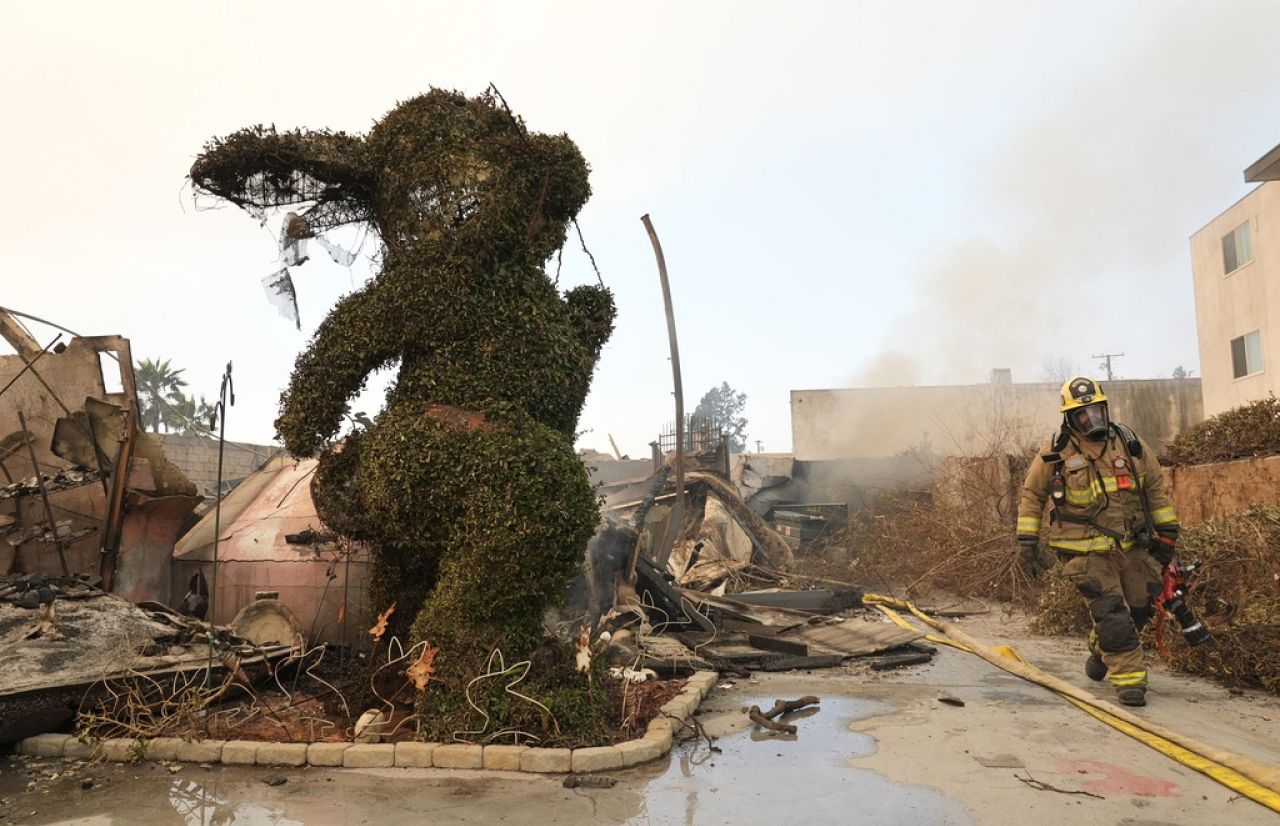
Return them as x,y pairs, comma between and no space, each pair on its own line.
1029,550
1162,544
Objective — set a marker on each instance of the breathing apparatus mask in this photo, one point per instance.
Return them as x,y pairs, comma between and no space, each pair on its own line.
1090,421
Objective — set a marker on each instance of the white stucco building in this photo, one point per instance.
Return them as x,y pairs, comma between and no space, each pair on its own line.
1235,264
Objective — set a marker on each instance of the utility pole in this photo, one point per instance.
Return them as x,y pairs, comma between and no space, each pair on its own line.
1106,362
759,448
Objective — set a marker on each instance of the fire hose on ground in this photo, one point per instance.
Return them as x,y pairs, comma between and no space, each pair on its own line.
1250,778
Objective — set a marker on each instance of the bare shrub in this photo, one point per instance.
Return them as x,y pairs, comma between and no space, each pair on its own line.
1237,593
955,536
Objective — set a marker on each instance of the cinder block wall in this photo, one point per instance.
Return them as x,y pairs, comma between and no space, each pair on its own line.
197,456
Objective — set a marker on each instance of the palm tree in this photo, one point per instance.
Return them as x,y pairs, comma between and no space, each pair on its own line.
159,389
190,417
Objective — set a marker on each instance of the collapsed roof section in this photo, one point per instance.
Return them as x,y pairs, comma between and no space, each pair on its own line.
85,492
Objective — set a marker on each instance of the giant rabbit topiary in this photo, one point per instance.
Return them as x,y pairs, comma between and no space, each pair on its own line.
467,483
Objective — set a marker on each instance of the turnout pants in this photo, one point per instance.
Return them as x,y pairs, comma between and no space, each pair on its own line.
1119,588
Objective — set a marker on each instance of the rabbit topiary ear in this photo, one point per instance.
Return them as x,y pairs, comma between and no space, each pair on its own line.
259,168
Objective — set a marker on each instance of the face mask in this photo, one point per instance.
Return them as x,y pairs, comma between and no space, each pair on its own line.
1090,420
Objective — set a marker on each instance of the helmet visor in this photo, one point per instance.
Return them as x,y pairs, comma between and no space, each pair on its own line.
1090,420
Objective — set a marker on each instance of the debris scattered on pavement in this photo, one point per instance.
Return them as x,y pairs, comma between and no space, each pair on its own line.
768,719
899,661
759,719
104,640
781,707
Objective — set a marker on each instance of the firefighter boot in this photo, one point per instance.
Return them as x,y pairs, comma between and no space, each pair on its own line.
1094,668
1134,695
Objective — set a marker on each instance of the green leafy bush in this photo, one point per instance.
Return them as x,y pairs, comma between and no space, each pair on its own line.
467,482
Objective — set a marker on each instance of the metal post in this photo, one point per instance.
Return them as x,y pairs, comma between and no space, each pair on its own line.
226,395
677,512
346,606
44,495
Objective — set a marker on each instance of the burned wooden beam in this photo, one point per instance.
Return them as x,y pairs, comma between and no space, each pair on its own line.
12,332
757,717
785,663
783,646
821,601
892,661
781,707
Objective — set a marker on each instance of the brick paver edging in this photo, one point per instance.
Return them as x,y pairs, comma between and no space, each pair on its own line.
656,742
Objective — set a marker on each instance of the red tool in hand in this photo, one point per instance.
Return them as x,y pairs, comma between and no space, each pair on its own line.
1173,600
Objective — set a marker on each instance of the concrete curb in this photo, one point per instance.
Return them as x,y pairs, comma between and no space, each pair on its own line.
657,741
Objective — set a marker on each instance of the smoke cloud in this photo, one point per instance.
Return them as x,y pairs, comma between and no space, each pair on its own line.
1092,206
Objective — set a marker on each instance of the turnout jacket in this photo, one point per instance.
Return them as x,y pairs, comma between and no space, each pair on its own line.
1101,484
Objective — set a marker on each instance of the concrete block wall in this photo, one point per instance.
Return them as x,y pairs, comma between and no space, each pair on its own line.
197,457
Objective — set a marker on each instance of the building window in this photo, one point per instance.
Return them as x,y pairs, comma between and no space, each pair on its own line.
1246,354
1237,248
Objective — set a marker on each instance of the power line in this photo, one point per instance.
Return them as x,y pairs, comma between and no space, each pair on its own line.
1106,362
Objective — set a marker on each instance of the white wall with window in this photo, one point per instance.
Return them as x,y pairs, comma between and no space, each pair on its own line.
1236,278
1237,248
1246,354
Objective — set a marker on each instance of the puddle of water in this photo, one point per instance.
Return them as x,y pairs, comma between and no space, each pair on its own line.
805,778
196,805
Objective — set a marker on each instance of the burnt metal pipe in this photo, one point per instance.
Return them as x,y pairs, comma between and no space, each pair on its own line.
677,512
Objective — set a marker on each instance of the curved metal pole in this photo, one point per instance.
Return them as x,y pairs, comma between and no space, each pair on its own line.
226,395
677,513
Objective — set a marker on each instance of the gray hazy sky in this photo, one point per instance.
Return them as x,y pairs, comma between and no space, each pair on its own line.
848,193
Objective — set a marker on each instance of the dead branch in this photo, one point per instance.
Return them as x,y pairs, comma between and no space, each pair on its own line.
699,730
1040,785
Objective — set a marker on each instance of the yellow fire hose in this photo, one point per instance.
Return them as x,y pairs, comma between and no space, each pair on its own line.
1256,781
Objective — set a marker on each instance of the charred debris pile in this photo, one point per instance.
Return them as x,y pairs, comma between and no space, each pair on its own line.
112,668
704,580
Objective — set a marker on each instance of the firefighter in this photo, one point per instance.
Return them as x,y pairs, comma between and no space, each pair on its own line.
1106,498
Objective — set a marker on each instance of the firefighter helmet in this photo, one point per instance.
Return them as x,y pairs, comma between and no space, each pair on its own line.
1085,407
